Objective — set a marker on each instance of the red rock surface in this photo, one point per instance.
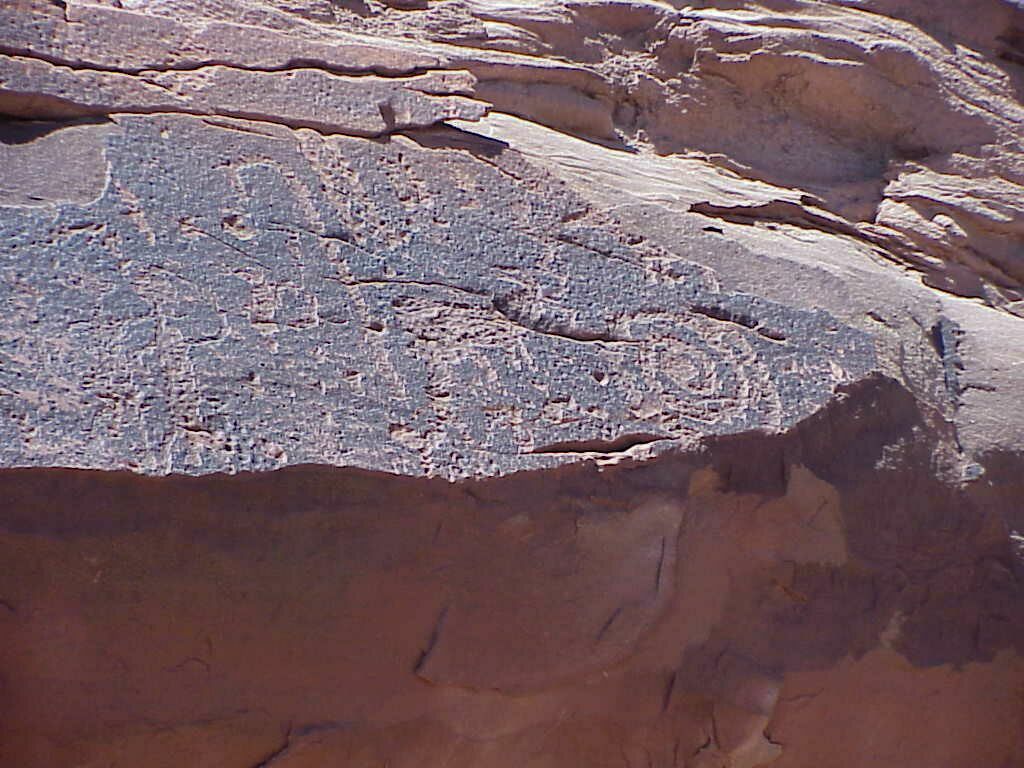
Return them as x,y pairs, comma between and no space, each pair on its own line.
780,601
475,383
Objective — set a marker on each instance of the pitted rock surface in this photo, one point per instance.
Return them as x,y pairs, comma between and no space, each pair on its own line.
239,301
496,383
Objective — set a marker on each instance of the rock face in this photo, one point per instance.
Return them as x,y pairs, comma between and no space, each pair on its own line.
475,383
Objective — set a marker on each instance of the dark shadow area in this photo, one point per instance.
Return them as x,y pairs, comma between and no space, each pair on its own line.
15,131
447,137
41,107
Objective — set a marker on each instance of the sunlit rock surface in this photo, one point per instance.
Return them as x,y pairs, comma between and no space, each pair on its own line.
477,383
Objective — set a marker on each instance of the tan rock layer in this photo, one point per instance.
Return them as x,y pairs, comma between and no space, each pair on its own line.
298,98
858,109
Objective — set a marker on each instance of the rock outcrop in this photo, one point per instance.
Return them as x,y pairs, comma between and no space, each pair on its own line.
477,383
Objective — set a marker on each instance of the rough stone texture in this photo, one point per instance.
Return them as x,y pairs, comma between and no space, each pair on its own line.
261,300
642,382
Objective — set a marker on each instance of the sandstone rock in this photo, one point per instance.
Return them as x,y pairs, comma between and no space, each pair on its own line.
480,383
298,98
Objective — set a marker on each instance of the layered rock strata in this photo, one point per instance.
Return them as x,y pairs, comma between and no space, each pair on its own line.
478,384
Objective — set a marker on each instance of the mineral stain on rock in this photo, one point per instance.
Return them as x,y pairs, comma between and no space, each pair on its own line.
444,383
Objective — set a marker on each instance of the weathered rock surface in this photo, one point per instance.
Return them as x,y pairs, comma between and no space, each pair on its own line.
642,383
